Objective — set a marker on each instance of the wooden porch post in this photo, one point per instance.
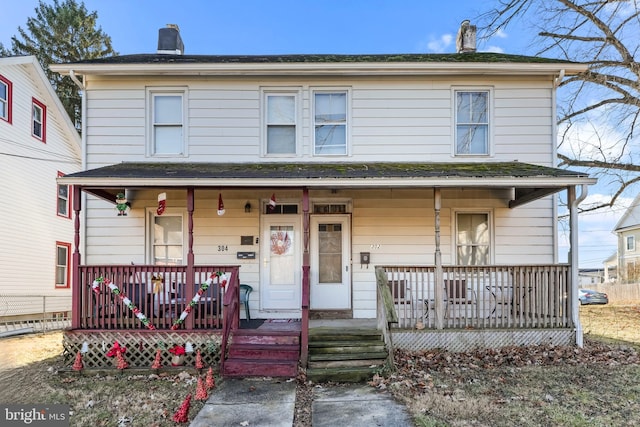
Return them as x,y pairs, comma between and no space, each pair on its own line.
438,292
304,339
190,256
76,298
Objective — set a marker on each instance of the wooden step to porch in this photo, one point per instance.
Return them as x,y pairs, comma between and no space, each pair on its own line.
257,353
340,355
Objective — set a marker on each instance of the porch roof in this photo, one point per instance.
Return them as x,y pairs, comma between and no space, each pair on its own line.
529,181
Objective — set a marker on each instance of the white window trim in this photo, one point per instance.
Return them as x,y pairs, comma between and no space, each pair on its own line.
330,89
454,121
151,214
284,91
454,232
151,91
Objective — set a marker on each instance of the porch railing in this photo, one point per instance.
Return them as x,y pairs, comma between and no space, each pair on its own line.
524,296
159,295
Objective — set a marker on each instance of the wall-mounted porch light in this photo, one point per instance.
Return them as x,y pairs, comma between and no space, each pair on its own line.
247,207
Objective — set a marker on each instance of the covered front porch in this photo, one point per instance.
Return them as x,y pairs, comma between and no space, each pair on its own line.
430,293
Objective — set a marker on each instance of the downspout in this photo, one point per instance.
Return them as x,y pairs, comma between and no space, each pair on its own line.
573,256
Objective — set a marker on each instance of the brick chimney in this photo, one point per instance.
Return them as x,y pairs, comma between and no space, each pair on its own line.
169,40
466,39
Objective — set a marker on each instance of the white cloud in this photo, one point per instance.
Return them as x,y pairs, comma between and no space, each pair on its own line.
494,49
500,34
440,44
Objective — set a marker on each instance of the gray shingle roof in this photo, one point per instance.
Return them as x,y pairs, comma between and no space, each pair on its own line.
334,170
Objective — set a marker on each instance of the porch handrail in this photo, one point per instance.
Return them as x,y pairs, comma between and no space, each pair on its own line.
386,312
156,297
486,296
231,317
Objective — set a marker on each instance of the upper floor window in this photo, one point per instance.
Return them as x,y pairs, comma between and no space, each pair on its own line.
6,93
64,204
63,261
473,239
330,121
167,118
631,243
280,123
39,120
472,122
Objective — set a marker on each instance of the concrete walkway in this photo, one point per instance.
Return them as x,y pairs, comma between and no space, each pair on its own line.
264,402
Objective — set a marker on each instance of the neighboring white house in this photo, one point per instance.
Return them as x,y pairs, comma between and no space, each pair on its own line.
628,232
322,167
38,144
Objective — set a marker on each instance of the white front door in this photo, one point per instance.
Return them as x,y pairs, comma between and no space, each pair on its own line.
330,263
281,270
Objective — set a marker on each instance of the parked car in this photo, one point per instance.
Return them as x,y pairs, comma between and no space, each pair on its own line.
588,296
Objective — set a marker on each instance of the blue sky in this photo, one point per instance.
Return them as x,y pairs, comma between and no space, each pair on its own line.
313,26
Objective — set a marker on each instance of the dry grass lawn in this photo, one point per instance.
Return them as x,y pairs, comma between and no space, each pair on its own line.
597,386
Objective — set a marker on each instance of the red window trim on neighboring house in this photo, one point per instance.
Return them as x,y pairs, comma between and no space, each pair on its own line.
43,107
9,98
69,198
68,261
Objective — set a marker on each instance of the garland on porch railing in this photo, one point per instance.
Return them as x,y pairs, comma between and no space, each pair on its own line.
123,297
222,280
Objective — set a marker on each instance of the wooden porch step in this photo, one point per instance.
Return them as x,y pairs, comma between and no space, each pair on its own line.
342,374
264,351
342,355
260,368
255,352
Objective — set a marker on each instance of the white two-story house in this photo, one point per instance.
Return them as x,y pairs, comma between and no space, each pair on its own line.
300,174
38,143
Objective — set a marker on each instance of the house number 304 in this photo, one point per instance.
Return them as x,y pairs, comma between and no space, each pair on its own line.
223,248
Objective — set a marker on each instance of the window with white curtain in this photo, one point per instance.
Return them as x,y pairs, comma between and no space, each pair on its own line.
473,238
167,237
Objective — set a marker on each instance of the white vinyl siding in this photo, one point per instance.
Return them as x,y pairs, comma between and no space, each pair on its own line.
389,119
167,122
30,236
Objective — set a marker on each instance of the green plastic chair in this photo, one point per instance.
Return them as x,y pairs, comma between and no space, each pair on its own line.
245,291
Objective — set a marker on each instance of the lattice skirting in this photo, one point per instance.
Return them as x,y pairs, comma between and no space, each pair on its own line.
459,340
141,347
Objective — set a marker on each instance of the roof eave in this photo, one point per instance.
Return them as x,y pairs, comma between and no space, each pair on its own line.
323,68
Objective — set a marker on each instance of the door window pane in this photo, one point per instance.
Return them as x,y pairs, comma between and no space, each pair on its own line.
330,253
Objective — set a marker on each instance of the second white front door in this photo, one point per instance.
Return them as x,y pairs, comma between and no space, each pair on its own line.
330,263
